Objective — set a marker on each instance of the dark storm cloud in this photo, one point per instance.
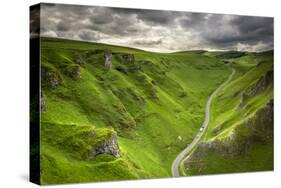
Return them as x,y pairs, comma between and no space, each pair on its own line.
152,17
156,17
249,29
248,24
192,20
252,28
157,30
226,31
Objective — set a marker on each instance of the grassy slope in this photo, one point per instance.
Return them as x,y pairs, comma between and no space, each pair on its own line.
149,109
226,115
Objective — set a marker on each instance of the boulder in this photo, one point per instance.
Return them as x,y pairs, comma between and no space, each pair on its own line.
50,78
110,146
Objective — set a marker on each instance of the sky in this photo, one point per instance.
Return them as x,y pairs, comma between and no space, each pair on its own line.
156,30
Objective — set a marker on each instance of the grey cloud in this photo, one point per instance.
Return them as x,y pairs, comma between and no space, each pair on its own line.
151,17
226,31
101,15
247,24
88,35
156,29
115,23
63,26
192,20
252,28
147,42
157,17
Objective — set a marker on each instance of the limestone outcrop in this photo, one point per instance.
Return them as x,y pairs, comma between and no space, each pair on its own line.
108,59
108,146
50,78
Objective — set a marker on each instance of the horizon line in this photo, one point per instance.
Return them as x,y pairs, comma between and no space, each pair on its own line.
140,49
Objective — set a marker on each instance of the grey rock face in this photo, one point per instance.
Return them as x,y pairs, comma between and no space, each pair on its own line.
108,59
256,88
261,84
108,147
126,58
262,122
51,79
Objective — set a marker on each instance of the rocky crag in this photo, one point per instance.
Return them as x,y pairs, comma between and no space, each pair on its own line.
255,130
108,59
109,146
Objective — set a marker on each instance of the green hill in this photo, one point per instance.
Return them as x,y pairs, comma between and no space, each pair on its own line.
239,137
113,113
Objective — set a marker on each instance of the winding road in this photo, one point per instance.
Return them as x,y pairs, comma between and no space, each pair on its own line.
178,161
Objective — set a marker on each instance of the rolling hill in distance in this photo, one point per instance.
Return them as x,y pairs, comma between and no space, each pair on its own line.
118,113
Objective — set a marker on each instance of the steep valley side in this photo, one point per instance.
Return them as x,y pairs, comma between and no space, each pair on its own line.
240,136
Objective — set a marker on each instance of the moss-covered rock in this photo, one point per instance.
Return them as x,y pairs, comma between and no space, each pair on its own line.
125,58
82,142
50,77
73,71
107,146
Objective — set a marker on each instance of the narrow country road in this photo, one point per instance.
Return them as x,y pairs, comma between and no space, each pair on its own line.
177,162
